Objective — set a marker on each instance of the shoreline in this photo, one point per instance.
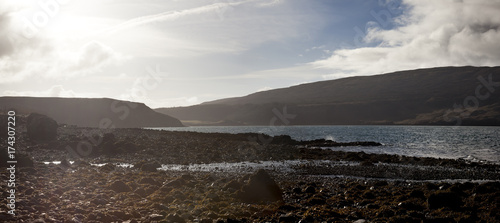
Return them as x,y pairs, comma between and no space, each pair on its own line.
461,143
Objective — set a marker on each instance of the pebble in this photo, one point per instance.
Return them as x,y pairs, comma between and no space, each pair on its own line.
90,193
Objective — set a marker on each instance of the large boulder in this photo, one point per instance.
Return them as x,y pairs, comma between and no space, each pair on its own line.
40,127
444,199
260,188
119,186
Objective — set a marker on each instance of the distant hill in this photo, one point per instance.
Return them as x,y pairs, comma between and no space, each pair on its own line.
434,96
90,112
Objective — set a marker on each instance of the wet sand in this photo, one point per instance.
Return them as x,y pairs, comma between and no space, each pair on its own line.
199,177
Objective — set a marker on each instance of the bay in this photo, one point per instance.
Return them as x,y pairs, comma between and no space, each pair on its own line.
474,143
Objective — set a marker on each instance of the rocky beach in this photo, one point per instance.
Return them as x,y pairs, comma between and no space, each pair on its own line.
141,175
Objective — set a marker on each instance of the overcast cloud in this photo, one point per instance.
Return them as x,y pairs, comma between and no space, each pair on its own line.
430,34
213,49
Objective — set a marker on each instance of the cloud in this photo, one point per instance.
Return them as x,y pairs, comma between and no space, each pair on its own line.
6,47
225,26
429,34
266,88
41,56
44,59
92,57
220,8
54,91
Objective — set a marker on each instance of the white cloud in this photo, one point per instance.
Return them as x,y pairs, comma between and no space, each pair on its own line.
266,88
43,58
299,71
91,58
202,28
54,91
430,34
172,15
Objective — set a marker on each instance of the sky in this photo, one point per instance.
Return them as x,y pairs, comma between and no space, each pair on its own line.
168,53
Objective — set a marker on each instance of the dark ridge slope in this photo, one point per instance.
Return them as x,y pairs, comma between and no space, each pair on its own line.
422,97
90,112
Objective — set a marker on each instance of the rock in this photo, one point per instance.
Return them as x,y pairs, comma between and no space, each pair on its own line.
175,218
288,208
156,217
444,199
40,127
283,139
440,220
260,188
3,122
307,219
385,213
107,144
149,181
187,177
366,163
29,191
24,160
233,184
287,218
487,188
6,217
108,138
373,206
213,196
99,201
141,192
368,195
175,183
212,215
310,190
119,186
65,163
381,183
297,190
316,201
120,215
408,205
108,167
417,194
150,167
125,147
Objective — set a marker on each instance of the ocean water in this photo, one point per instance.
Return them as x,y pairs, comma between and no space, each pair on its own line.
456,142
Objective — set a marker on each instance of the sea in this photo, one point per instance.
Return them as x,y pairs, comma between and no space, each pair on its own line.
472,143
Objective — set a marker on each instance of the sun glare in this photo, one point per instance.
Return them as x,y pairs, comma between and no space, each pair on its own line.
47,17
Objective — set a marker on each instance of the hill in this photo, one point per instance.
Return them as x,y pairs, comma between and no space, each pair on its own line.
434,96
90,112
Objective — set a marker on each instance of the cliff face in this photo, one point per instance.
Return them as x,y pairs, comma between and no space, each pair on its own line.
91,112
436,96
